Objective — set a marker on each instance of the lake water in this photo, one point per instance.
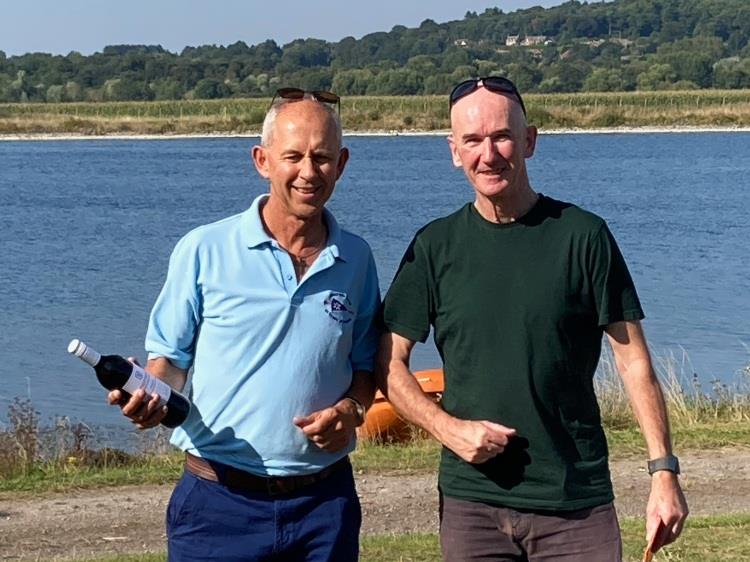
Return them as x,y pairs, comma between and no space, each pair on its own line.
86,229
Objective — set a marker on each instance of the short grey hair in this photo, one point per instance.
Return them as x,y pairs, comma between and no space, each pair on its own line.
266,135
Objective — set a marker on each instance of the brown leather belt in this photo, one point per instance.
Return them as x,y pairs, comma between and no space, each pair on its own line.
241,480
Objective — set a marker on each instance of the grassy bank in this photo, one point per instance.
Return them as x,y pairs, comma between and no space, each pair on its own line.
705,108
705,539
37,459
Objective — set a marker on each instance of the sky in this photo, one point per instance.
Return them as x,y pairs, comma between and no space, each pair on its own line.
87,26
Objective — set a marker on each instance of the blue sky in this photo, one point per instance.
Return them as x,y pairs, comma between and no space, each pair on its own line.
86,26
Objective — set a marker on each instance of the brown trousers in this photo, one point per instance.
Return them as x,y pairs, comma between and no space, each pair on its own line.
473,531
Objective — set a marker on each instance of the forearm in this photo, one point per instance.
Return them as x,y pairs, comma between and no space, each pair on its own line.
399,385
646,397
362,388
163,369
649,407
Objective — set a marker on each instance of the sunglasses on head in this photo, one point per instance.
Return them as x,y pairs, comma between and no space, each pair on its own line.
496,84
299,94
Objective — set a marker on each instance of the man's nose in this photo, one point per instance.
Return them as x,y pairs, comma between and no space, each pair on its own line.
489,150
308,169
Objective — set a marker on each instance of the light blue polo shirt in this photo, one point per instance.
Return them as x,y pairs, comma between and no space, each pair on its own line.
263,347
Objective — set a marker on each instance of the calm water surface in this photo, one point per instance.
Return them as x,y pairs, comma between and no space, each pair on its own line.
87,227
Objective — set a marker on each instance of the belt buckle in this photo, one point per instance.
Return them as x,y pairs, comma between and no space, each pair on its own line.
278,486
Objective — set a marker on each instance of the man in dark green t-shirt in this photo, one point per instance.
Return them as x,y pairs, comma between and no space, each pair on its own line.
519,289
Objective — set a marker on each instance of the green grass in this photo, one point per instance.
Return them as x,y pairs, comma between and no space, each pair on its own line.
53,477
721,538
35,461
705,539
418,456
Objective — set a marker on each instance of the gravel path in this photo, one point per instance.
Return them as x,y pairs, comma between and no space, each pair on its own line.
131,519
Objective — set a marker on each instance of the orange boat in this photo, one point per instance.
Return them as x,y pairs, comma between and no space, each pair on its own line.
383,424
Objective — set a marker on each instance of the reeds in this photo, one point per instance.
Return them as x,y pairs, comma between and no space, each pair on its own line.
68,446
701,108
27,446
688,402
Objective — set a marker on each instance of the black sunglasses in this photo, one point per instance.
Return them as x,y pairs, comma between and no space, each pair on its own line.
497,84
299,93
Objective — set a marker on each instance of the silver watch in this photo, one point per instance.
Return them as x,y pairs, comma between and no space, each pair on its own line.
360,409
670,463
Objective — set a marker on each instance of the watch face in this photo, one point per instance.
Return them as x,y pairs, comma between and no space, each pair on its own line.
669,463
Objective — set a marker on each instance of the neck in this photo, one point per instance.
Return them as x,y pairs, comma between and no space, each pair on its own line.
295,234
506,209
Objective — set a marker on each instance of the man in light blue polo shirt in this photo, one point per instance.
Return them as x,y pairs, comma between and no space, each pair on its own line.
274,309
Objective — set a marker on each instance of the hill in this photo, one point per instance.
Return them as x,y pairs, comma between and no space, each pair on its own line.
622,45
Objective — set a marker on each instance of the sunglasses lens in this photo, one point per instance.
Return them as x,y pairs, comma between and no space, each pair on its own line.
462,89
290,93
327,97
499,85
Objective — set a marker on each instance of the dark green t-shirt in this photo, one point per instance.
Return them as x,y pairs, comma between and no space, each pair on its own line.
518,312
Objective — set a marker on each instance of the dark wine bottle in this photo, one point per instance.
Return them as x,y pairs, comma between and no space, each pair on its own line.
115,372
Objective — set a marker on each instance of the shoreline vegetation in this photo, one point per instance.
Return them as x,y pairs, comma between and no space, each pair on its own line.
42,462
68,454
589,112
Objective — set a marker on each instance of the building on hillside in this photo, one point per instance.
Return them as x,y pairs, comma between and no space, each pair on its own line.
530,40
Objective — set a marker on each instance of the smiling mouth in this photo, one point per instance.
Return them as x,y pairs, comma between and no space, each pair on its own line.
305,190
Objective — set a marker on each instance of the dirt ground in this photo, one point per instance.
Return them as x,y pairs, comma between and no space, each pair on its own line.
131,519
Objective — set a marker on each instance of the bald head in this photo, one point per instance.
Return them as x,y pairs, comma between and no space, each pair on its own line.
483,105
299,109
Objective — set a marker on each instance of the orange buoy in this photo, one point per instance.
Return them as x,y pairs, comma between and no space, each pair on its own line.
383,424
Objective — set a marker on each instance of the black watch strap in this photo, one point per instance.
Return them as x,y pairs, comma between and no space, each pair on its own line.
670,463
359,407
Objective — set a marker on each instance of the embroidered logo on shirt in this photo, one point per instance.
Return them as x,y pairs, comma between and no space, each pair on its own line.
338,307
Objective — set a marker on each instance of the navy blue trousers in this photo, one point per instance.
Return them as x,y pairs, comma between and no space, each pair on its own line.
207,521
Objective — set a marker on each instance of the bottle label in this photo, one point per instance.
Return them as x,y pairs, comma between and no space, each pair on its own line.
151,385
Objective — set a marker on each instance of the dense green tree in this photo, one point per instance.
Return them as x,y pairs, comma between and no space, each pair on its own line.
167,89
55,93
210,89
604,80
618,44
732,73
657,77
565,76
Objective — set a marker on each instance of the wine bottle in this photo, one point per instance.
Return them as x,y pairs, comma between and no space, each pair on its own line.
115,372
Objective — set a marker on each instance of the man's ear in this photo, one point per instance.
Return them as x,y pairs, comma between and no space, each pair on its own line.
454,151
343,159
260,159
531,135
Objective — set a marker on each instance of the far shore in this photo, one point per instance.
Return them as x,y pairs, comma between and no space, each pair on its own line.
372,133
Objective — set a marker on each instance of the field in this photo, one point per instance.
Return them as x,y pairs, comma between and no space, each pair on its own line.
705,108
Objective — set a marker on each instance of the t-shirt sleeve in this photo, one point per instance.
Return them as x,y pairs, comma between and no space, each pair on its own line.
366,325
614,292
408,306
175,317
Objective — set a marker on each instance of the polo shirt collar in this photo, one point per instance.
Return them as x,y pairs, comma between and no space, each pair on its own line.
255,235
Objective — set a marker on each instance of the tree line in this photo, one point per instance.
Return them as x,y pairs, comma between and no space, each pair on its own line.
622,45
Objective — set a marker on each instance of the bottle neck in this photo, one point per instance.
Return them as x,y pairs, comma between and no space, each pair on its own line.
90,356
84,353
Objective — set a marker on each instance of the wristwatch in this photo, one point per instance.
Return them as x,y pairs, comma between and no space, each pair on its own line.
360,409
670,463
